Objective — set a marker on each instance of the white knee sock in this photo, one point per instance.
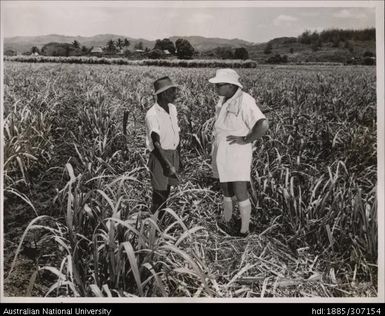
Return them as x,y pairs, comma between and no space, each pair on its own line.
245,210
227,208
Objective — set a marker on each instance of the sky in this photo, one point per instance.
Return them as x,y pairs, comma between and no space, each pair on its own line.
254,21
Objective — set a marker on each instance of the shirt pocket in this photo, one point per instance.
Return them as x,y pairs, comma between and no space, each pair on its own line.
233,122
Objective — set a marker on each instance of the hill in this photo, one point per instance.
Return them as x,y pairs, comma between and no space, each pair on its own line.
332,45
299,52
25,43
208,43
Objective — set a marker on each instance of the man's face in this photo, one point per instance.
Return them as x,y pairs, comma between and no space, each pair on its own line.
223,89
169,95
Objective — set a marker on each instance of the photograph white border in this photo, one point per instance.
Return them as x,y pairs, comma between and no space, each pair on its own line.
379,6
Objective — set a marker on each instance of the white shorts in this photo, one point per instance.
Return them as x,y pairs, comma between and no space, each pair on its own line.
231,163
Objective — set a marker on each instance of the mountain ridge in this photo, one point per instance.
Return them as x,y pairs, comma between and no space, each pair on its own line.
201,43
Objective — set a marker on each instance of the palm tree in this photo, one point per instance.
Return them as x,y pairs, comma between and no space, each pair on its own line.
111,46
119,43
34,49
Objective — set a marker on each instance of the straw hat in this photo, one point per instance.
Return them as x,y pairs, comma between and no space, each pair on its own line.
226,76
163,84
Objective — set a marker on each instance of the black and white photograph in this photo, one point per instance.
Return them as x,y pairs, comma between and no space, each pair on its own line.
192,151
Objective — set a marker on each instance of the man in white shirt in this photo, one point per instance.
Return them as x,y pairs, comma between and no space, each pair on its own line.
239,122
162,139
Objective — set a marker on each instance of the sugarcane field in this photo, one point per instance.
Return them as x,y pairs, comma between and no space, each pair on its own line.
77,189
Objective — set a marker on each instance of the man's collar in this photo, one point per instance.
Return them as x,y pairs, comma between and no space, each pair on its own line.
236,95
159,108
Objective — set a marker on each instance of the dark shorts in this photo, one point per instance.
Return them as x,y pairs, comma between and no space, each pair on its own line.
159,180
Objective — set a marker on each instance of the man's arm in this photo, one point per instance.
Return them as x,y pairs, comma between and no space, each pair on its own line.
259,129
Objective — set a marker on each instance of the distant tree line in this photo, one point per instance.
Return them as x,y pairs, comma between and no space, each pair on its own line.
182,48
336,36
163,48
230,53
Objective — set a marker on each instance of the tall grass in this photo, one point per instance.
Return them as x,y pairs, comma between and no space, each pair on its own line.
314,184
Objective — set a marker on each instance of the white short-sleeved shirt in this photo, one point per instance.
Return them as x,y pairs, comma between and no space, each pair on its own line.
164,124
237,116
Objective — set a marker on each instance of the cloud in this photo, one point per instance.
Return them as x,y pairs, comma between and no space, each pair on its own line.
346,14
284,20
